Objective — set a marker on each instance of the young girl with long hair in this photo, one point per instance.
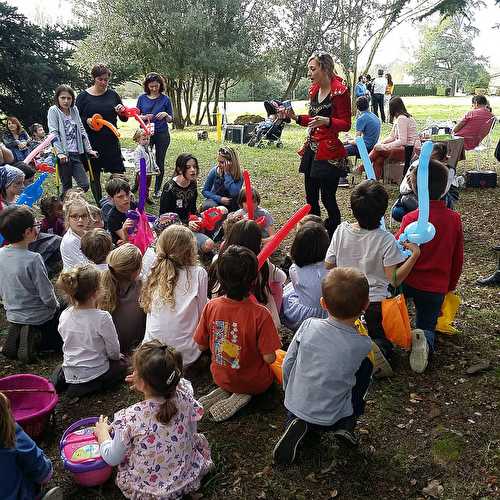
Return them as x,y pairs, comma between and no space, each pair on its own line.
156,445
91,350
25,467
247,233
121,289
301,296
224,181
175,292
71,139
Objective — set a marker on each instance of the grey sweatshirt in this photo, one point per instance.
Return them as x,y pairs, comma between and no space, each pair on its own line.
26,291
55,120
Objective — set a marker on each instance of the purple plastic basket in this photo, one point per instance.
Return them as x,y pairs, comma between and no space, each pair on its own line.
89,473
32,400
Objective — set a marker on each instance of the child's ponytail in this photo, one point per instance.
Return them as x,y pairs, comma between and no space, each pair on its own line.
123,262
7,425
79,284
160,366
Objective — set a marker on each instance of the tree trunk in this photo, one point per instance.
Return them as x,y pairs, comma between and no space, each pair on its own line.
217,83
199,117
210,93
294,79
178,97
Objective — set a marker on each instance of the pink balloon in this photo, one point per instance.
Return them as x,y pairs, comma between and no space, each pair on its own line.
249,195
40,148
273,244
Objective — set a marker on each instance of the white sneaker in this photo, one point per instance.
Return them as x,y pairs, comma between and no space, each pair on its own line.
419,356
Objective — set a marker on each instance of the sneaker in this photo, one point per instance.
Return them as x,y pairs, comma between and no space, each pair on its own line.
213,397
286,448
11,344
226,408
419,356
54,494
347,436
29,340
343,182
381,367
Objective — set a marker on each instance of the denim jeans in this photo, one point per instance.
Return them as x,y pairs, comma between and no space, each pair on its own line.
73,169
363,378
428,309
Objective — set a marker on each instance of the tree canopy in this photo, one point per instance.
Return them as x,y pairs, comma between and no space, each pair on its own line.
446,56
34,60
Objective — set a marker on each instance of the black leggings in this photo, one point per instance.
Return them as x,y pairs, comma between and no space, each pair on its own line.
328,189
161,142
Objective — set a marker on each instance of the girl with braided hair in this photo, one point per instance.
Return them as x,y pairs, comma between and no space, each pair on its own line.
155,443
175,292
91,350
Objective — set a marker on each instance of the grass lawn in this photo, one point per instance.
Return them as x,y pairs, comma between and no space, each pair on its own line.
440,425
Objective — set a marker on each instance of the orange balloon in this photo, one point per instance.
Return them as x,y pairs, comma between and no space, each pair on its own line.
277,366
97,122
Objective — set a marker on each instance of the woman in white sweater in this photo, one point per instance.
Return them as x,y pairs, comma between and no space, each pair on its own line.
402,140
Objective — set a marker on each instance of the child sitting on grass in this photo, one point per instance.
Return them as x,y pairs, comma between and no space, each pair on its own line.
326,372
96,220
179,197
175,292
268,288
96,245
437,271
156,445
118,225
365,246
77,220
267,228
408,199
52,210
91,349
25,467
240,334
302,295
27,294
121,289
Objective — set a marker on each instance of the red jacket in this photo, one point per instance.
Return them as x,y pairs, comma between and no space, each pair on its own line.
329,145
440,263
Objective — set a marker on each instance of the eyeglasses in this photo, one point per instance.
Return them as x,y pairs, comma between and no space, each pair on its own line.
79,216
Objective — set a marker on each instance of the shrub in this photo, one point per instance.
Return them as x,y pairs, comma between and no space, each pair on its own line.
417,89
244,119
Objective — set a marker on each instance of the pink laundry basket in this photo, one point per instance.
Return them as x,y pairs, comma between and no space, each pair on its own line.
80,453
32,400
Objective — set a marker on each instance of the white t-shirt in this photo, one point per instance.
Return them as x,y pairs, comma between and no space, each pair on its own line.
175,327
379,85
71,252
369,251
90,341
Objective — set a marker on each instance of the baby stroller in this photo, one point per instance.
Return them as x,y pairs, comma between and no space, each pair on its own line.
270,130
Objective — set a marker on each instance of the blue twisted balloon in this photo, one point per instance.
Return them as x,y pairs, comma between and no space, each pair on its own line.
421,231
367,164
30,195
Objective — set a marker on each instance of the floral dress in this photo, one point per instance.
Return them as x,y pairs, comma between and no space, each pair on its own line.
162,461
